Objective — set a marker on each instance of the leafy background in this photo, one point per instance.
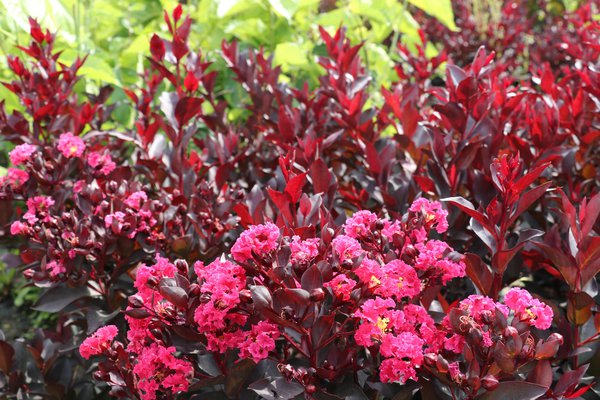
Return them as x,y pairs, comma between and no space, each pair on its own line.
115,35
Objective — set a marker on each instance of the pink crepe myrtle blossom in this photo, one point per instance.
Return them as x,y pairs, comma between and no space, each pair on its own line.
359,225
260,239
259,341
432,257
405,352
158,370
70,145
15,178
529,309
102,163
136,200
398,279
341,286
303,250
22,153
98,342
346,247
55,268
19,228
38,207
433,212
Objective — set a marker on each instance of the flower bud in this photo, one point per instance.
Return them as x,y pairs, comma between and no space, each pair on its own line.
194,290
430,359
112,187
135,301
245,296
317,294
489,382
442,364
153,281
182,266
310,389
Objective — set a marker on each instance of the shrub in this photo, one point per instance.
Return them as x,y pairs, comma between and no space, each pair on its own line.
319,267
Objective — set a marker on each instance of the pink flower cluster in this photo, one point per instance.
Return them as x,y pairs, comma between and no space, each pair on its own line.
102,163
15,178
528,309
260,341
403,336
70,145
99,341
22,153
434,214
221,282
158,370
359,225
304,251
258,239
135,218
38,208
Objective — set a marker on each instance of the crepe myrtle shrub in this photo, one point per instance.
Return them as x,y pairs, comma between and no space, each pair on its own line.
513,155
285,316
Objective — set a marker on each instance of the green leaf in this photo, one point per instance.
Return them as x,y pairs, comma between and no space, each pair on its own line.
440,9
287,54
285,8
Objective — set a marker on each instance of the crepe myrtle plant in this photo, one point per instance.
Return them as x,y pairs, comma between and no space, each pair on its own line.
343,313
328,287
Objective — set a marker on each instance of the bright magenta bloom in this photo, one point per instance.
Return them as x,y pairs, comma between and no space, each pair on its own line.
260,239
346,248
22,153
136,200
70,145
359,225
432,257
399,280
55,268
158,369
342,286
528,309
260,341
434,213
15,178
406,354
303,250
101,162
98,342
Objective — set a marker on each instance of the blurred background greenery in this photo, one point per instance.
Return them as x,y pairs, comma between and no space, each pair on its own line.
116,33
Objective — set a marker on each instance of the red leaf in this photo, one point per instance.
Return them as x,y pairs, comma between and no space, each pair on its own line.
479,272
294,187
589,214
373,158
524,182
157,48
467,207
528,199
282,201
320,175
186,109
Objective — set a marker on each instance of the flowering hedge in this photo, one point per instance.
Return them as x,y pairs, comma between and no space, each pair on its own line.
442,244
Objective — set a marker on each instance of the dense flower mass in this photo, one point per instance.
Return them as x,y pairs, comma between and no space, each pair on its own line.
98,342
71,146
259,239
157,370
239,232
22,153
528,309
